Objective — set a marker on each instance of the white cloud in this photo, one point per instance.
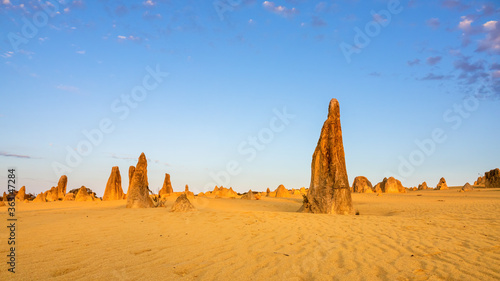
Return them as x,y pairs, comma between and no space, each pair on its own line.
7,54
121,37
67,88
465,23
149,3
81,52
6,2
280,10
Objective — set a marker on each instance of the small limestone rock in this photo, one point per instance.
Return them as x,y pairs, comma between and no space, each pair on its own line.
362,185
442,184
83,195
40,197
467,187
281,191
423,186
249,196
21,194
182,204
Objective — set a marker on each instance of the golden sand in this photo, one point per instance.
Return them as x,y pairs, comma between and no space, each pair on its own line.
420,235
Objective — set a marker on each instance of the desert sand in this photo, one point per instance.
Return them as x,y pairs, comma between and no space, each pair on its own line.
420,235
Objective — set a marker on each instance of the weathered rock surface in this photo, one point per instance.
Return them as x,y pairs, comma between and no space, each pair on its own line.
182,204
69,197
281,191
362,185
329,191
52,194
423,186
249,196
83,195
268,192
138,193
21,194
392,185
467,187
441,184
61,187
113,189
492,179
166,189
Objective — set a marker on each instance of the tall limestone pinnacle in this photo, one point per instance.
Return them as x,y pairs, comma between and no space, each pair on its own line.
329,191
114,189
166,189
61,187
138,193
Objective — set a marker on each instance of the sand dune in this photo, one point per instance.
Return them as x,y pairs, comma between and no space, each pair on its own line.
421,235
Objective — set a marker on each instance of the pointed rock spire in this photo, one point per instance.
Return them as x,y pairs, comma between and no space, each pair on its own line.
329,191
113,189
138,193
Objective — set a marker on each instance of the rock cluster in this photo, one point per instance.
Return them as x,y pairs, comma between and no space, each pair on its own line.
329,191
467,187
83,195
249,196
480,181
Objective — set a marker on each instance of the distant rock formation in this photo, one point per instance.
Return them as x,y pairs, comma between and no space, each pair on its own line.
83,195
201,194
295,192
52,194
61,187
268,192
226,193
362,185
40,198
442,184
167,189
329,191
188,193
281,191
480,181
249,196
182,204
467,187
21,194
113,189
138,194
423,186
303,191
492,179
69,197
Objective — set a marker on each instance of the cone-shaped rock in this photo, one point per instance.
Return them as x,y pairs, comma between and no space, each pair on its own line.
467,187
182,204
20,194
329,191
138,194
281,191
61,187
249,196
442,184
113,189
423,186
83,195
166,189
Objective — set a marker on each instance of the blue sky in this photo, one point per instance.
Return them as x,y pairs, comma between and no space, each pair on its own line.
247,90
